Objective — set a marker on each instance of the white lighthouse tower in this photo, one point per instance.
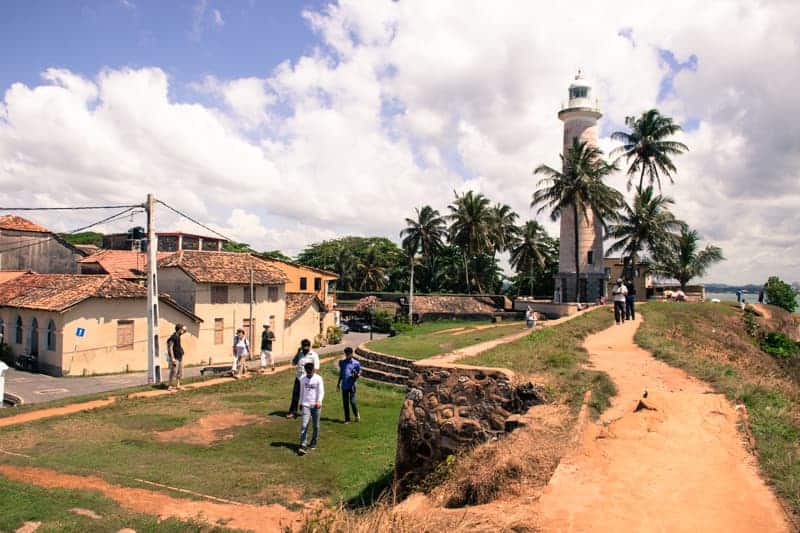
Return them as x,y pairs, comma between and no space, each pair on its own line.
580,117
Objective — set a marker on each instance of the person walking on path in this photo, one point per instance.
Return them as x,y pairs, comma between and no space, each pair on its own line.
304,355
267,338
761,296
241,349
630,300
529,320
619,293
175,351
312,391
349,370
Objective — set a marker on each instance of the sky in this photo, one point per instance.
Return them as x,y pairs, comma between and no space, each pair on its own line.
281,124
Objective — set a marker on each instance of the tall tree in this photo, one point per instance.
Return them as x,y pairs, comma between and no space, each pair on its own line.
646,224
683,261
424,234
503,227
579,188
371,270
344,255
530,252
470,229
647,147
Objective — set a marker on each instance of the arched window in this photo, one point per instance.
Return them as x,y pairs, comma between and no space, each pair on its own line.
51,336
18,330
33,344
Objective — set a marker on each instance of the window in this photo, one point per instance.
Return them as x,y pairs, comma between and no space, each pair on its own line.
219,294
303,284
246,294
219,330
272,294
590,257
317,284
579,92
33,341
51,336
124,334
18,330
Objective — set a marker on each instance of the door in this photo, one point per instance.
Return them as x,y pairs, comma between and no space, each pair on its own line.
34,338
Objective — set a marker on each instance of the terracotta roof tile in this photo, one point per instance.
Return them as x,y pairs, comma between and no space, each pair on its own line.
59,292
13,222
125,264
224,267
7,275
453,304
297,302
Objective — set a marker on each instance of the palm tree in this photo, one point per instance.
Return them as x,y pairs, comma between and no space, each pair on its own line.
425,233
470,228
647,147
531,250
504,229
579,188
683,261
647,223
371,271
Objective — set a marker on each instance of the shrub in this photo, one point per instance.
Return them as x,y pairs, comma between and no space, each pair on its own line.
402,327
334,335
780,345
381,320
781,294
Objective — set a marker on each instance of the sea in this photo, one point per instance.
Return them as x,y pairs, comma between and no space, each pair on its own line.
750,297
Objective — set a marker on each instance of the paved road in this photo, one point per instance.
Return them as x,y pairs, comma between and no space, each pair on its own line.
34,388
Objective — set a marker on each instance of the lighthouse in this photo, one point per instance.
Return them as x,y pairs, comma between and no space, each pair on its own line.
580,116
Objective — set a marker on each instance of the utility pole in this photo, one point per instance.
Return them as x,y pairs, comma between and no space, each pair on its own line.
411,294
250,322
153,358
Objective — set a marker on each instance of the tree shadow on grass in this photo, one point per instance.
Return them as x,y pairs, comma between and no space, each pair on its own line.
372,492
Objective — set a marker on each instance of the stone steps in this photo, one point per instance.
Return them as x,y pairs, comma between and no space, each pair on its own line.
384,368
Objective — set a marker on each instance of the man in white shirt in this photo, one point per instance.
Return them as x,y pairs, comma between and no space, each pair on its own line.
619,292
303,355
312,391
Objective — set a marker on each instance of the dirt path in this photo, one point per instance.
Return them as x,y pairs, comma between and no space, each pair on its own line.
676,464
475,349
260,518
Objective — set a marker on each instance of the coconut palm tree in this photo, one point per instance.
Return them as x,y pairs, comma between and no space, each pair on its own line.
647,147
531,250
683,261
579,188
504,230
371,271
647,223
471,228
425,234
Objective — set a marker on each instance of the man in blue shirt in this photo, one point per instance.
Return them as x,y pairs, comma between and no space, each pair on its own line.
349,370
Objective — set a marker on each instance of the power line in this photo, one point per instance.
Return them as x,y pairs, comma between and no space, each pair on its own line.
35,242
74,208
187,217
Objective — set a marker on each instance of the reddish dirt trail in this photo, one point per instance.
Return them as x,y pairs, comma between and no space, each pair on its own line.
679,465
261,518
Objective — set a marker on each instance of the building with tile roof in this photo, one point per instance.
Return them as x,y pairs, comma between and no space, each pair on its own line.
25,245
306,318
72,324
216,287
123,264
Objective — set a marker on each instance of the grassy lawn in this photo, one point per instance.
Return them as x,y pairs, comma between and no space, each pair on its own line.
253,463
709,341
555,355
25,503
429,339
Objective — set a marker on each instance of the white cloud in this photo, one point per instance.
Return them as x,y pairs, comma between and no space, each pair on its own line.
403,102
216,18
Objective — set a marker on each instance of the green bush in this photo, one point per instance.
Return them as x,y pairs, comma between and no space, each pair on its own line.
402,327
781,294
334,335
780,345
381,320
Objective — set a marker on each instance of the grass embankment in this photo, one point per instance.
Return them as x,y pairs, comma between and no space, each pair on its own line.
555,355
253,463
429,338
710,342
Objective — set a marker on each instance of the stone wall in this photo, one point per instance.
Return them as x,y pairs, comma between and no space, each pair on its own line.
452,408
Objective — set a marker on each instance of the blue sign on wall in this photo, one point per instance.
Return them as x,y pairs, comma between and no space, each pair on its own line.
80,332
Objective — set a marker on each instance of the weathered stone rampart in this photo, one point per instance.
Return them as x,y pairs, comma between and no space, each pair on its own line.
452,408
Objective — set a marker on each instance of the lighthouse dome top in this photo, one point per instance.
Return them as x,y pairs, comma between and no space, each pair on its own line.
580,81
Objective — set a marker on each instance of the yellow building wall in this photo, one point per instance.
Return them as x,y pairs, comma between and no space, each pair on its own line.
96,352
295,272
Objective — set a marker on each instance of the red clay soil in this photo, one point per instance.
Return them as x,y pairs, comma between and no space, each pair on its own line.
55,411
673,461
259,518
208,429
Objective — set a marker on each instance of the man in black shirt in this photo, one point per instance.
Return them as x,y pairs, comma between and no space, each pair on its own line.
175,351
267,337
630,300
